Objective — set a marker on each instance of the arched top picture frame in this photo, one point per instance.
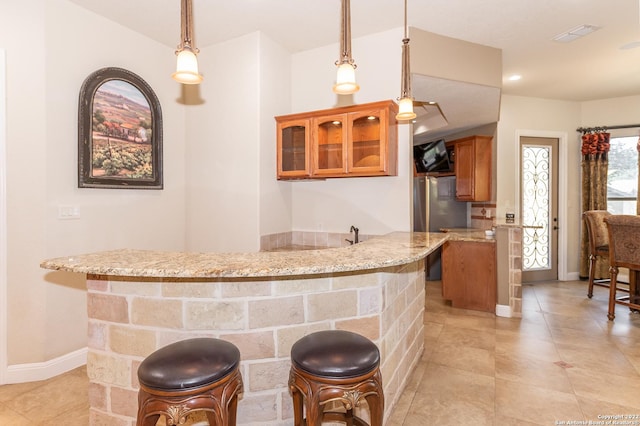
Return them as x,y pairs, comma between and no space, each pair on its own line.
119,132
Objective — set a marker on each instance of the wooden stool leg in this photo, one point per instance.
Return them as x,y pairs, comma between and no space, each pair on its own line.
612,292
376,409
233,411
592,272
314,412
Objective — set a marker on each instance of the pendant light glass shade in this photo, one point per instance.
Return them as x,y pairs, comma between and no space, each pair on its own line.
405,101
346,75
346,80
187,61
187,68
405,109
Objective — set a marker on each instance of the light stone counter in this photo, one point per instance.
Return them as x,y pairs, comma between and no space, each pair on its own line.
393,249
139,301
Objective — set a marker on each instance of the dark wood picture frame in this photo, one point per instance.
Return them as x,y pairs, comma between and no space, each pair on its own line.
119,132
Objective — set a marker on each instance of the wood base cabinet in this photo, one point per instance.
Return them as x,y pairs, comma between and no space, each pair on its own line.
352,141
469,275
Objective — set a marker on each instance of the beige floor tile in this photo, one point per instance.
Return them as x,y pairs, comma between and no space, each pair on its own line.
51,399
580,322
535,404
450,354
450,396
532,371
472,320
520,344
526,328
432,330
11,417
608,388
509,421
604,359
595,410
469,338
9,392
586,339
433,316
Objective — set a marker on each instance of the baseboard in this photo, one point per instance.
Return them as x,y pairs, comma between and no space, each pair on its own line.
573,276
503,311
21,373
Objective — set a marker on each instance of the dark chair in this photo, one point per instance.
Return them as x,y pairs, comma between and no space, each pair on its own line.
624,252
598,245
191,375
335,368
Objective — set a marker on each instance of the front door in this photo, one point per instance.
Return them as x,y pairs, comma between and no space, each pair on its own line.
539,208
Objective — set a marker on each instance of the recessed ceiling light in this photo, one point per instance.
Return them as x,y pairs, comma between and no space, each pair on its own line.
631,45
515,77
575,33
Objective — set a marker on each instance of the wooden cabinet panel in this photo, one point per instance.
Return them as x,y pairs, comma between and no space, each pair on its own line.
464,168
329,144
469,275
359,140
473,168
293,148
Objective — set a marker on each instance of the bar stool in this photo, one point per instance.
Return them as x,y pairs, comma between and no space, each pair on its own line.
335,367
188,376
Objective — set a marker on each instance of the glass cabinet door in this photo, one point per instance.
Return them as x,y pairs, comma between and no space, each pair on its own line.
329,147
366,137
293,148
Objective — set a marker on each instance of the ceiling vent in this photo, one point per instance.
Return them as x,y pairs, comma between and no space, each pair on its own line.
575,33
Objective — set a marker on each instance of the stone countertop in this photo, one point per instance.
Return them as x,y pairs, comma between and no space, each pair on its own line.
469,234
393,249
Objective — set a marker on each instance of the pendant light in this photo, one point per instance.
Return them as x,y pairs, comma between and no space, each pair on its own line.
346,76
405,101
187,62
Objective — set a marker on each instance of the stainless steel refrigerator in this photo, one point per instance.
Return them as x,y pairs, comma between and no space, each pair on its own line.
435,207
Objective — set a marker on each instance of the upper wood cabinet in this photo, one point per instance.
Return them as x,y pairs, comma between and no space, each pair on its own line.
358,140
472,165
293,148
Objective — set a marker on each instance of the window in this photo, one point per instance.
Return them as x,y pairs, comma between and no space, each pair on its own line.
622,178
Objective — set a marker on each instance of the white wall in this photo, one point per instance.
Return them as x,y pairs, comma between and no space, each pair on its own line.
611,112
223,153
541,115
376,205
52,46
233,193
275,97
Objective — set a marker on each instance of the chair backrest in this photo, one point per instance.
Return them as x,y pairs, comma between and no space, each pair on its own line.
624,240
596,228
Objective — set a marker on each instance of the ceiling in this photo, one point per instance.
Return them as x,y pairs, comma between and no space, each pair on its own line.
592,67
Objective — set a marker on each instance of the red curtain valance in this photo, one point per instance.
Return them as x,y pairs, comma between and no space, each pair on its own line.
595,143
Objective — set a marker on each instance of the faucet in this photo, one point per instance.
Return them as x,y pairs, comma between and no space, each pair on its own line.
356,240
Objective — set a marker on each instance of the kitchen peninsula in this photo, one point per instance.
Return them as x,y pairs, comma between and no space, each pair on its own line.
139,301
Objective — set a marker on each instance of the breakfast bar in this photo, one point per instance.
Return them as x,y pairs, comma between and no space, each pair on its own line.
263,302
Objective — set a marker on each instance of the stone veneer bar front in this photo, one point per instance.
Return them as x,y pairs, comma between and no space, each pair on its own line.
139,301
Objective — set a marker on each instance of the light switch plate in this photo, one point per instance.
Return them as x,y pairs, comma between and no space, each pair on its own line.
68,212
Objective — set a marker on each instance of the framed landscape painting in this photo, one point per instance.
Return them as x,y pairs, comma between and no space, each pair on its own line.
119,132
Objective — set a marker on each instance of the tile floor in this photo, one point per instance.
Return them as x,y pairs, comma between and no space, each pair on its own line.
562,362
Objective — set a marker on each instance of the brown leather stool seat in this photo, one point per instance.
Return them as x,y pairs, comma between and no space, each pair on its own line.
337,367
188,376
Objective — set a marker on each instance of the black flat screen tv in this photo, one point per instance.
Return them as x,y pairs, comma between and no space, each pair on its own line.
431,157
